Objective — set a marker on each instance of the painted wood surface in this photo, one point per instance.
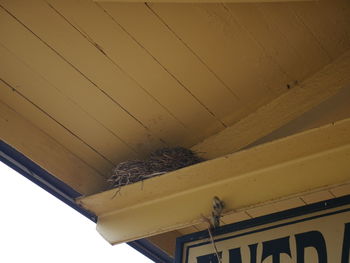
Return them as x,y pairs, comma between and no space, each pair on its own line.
282,110
287,167
120,80
202,1
114,81
49,125
48,153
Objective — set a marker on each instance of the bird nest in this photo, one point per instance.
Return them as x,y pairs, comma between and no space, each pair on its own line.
160,162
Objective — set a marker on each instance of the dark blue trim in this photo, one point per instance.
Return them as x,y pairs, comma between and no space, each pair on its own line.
24,166
42,178
291,213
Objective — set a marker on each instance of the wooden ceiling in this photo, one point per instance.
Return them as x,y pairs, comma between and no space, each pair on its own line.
85,85
113,81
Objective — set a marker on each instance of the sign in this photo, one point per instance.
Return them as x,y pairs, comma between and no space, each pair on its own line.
318,237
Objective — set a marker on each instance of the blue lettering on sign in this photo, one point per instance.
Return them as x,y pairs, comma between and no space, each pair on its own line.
252,249
274,248
311,239
210,258
346,245
235,255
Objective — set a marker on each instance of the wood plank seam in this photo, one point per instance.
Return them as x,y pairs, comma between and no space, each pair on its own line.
297,28
14,63
148,5
180,61
170,73
257,41
312,33
50,126
94,84
63,58
98,47
167,70
48,153
198,105
60,124
332,30
229,34
53,50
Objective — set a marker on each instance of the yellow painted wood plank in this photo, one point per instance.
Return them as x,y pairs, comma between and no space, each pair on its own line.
200,1
62,109
227,49
242,162
105,74
274,207
166,241
283,36
341,190
187,230
311,92
329,22
154,35
151,76
47,124
317,144
234,217
260,210
71,82
266,35
317,197
285,168
311,55
48,153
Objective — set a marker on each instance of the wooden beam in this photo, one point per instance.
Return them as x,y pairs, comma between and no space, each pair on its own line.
48,153
202,1
290,166
300,99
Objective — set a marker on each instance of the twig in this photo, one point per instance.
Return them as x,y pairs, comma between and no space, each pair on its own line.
214,245
118,190
212,239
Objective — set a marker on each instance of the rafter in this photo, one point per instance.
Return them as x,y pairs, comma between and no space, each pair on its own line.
300,99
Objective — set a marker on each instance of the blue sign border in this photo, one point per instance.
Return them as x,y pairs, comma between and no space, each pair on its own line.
271,218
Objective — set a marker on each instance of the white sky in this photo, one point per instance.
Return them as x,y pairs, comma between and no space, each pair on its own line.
37,227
